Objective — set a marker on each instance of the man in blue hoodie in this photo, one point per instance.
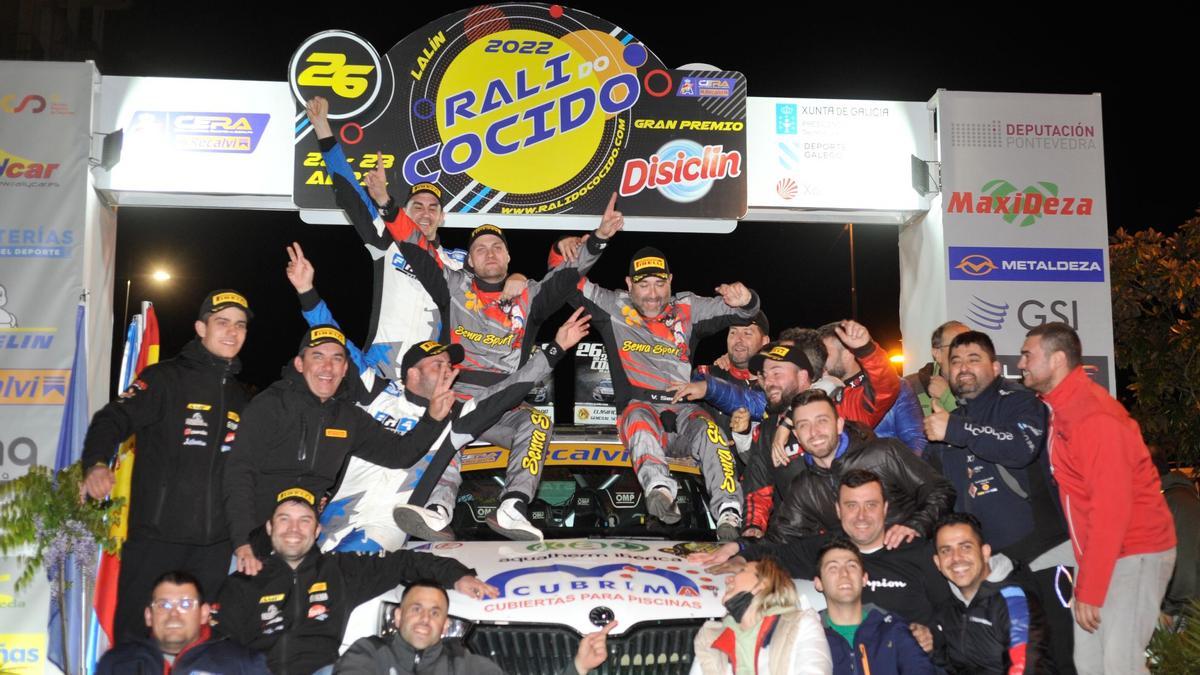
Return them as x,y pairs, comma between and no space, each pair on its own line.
861,639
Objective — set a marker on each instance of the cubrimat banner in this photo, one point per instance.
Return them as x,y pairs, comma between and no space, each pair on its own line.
526,109
45,119
1025,219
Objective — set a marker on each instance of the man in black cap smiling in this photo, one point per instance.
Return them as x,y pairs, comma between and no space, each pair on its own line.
649,334
185,412
301,429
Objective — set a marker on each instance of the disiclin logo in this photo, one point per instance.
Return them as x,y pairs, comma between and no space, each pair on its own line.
1000,197
237,133
681,170
1026,264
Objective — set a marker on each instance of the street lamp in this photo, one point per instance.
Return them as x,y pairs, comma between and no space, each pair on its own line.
159,276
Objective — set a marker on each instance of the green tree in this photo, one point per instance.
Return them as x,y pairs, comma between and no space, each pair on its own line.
1156,321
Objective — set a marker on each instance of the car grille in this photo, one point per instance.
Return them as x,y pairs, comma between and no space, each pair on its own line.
662,650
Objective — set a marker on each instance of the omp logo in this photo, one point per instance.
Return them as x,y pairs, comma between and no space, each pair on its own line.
33,387
1003,198
998,263
986,315
976,265
593,578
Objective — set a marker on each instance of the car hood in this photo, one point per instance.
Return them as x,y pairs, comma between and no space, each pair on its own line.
567,582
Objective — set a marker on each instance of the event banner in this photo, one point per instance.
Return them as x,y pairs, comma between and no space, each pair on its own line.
1025,220
526,109
45,119
594,393
815,153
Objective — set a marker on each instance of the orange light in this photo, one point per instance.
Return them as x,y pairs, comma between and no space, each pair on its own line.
896,358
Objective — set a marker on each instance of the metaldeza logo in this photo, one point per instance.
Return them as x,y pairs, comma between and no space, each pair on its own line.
1003,198
997,263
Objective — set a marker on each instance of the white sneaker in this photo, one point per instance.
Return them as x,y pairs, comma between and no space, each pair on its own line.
660,505
729,525
428,524
507,520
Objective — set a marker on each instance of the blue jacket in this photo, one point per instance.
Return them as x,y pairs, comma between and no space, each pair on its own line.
219,655
905,420
728,396
883,640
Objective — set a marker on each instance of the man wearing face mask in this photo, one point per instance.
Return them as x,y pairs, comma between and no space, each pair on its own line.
769,629
417,644
649,334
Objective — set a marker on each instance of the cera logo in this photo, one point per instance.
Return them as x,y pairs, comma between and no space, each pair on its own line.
998,263
1029,204
681,170
231,132
552,579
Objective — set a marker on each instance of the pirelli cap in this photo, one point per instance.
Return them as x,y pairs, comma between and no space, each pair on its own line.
776,351
486,228
426,349
426,187
222,299
759,319
298,495
319,335
648,262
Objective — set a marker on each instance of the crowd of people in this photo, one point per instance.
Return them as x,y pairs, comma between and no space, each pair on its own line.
952,519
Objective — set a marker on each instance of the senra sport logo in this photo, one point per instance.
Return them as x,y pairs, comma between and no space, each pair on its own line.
1003,198
1026,264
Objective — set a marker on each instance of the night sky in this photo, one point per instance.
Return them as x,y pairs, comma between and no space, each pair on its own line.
1142,68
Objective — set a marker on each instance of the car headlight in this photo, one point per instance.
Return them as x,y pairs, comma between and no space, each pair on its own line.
457,628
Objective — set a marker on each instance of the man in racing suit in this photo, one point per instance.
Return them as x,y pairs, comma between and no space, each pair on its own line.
492,330
653,333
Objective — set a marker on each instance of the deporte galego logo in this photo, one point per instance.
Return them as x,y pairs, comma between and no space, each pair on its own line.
997,263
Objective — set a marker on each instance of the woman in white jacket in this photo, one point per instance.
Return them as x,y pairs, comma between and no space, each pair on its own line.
766,630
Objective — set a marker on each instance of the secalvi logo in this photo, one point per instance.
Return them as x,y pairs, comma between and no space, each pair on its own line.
1000,197
624,577
36,242
18,171
33,387
998,263
986,315
33,104
237,133
1034,313
682,170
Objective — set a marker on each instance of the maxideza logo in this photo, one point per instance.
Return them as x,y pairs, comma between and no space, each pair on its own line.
996,263
1001,197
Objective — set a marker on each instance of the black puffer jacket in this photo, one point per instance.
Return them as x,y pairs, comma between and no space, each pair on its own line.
290,438
916,494
185,412
298,616
205,655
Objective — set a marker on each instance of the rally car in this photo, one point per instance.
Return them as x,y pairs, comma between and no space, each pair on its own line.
602,558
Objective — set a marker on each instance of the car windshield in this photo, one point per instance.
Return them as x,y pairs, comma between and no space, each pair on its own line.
588,489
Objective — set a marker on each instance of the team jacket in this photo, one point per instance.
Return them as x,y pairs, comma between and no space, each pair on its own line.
652,352
298,616
404,314
865,398
185,412
289,438
994,454
882,644
916,494
1104,476
902,580
1000,631
491,331
206,655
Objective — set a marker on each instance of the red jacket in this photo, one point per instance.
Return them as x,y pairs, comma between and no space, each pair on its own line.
1104,476
869,395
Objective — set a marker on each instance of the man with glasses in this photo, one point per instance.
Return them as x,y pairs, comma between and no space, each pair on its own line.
180,639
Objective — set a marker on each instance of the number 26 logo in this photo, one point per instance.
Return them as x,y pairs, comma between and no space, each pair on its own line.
330,69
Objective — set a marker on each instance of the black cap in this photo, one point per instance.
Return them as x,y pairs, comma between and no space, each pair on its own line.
648,262
758,319
320,334
426,187
298,495
222,299
777,351
426,349
485,229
